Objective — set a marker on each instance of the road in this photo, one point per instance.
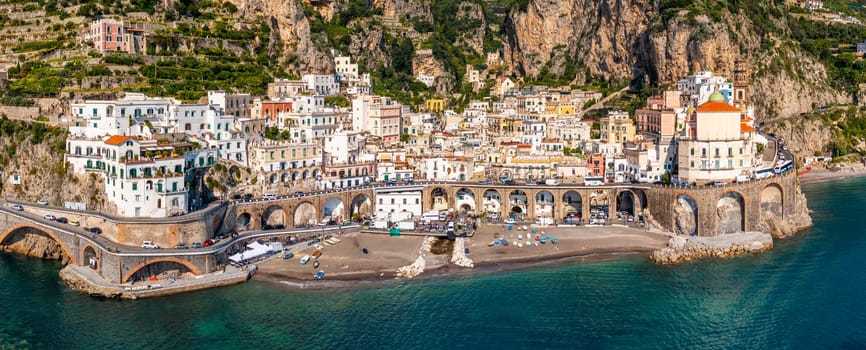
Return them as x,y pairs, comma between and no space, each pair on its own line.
601,102
114,248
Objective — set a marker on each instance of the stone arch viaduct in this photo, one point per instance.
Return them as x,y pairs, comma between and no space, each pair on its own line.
705,211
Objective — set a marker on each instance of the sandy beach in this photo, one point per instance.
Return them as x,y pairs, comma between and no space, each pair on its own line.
346,265
823,175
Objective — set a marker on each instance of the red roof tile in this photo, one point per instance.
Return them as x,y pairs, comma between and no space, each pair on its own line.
117,140
715,107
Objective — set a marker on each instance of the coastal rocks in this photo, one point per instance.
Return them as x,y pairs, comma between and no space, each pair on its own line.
417,267
682,248
35,245
798,220
79,282
458,257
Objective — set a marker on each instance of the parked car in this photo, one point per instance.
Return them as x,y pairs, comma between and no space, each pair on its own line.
236,196
269,197
299,193
181,246
248,196
208,243
196,244
74,222
392,183
42,202
49,217
62,220
17,207
149,245
96,230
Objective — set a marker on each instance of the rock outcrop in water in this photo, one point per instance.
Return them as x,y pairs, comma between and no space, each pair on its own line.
458,256
682,248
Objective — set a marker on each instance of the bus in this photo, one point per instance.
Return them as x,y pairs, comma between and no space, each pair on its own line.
764,173
784,167
593,181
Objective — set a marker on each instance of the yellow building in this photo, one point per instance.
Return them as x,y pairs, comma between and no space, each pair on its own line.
436,105
617,127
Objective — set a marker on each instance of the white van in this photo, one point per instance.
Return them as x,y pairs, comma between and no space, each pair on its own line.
149,245
269,197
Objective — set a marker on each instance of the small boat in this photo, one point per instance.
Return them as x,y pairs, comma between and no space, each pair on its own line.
496,243
365,251
519,245
519,237
493,243
317,254
305,260
505,242
288,255
553,240
316,264
543,240
319,274
537,237
466,250
318,246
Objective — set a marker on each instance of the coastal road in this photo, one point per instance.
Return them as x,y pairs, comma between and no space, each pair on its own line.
125,250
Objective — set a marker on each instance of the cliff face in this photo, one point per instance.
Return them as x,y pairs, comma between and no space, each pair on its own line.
626,39
44,175
601,34
292,27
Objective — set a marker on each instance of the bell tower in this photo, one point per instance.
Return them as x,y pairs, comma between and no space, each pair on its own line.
741,83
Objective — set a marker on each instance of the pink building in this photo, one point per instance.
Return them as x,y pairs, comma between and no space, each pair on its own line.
109,35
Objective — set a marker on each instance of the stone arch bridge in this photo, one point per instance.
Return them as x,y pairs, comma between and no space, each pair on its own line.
705,211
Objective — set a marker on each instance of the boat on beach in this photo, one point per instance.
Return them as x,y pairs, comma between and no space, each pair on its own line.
319,274
317,254
305,260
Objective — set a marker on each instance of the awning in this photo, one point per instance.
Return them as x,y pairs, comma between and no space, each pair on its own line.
255,250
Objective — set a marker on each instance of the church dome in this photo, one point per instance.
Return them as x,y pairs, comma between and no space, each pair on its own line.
716,96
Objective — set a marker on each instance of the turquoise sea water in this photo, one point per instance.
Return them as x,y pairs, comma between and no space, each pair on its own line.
807,293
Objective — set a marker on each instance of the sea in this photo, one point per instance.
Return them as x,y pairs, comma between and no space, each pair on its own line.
809,292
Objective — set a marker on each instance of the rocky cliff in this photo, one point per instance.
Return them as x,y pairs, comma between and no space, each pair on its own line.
292,29
43,174
35,245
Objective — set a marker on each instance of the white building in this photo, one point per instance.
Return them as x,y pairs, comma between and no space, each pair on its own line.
322,84
398,204
142,178
237,105
378,115
697,88
428,80
718,144
345,69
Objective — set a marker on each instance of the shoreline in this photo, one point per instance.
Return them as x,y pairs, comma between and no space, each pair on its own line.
819,175
576,245
373,278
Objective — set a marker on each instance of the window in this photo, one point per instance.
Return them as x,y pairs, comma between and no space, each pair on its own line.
730,163
404,201
703,152
741,150
691,151
717,152
134,186
730,152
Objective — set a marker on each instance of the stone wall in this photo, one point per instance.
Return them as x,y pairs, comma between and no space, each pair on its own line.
746,206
